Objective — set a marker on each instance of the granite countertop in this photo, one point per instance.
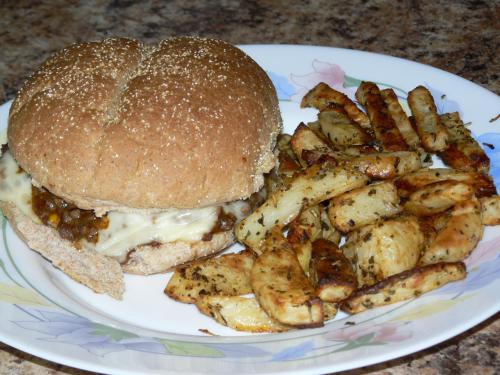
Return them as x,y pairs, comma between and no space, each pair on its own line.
461,37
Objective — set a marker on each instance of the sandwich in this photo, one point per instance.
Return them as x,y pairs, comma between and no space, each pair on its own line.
125,157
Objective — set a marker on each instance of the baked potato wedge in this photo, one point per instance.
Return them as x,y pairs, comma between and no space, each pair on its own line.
284,291
331,272
404,286
305,139
459,236
306,226
432,133
400,118
315,184
490,210
364,205
386,165
384,127
322,96
330,310
228,274
437,197
380,250
464,152
239,313
340,130
328,231
304,229
483,184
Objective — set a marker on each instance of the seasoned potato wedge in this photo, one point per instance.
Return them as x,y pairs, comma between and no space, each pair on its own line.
331,272
315,184
239,313
284,291
464,153
341,130
328,231
432,133
380,250
438,197
385,165
288,163
228,274
400,118
460,235
322,96
288,166
303,252
483,184
404,286
364,205
304,229
490,209
305,139
384,127
330,310
306,226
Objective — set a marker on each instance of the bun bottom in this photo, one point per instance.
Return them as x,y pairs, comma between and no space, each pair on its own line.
147,259
101,273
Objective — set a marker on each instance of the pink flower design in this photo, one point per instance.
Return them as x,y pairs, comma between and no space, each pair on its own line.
378,333
331,74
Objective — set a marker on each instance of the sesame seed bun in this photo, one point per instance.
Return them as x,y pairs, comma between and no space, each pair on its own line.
117,125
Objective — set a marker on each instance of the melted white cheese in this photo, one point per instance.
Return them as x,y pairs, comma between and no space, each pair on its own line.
15,185
126,230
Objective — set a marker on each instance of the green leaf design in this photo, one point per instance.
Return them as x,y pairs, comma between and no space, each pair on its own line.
365,340
114,334
21,296
351,81
190,349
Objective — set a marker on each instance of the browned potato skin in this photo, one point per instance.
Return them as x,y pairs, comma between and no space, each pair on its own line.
464,153
228,274
364,206
322,96
239,313
380,250
284,291
404,286
401,119
331,272
483,184
460,235
432,133
384,127
288,164
490,210
305,139
438,197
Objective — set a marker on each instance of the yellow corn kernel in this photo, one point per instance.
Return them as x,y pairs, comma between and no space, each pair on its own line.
54,219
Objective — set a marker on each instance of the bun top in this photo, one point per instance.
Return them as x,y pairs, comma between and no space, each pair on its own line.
119,125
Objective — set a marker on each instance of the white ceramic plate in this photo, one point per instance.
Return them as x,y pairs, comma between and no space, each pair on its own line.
45,313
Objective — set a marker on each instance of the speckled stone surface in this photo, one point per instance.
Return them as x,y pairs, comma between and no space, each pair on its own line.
462,37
